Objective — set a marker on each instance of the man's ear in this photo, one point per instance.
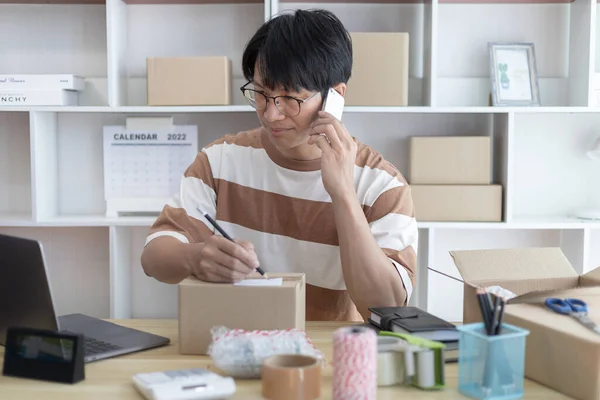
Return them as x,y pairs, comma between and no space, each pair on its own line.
340,88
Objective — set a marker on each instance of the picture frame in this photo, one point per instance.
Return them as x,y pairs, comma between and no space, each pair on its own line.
513,74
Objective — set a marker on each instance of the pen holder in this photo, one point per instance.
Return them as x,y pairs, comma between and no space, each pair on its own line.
491,367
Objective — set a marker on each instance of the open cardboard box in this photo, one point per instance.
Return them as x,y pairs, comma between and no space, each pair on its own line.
203,305
560,352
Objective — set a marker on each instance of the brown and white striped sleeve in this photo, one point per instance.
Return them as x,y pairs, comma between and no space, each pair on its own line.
181,218
394,227
391,218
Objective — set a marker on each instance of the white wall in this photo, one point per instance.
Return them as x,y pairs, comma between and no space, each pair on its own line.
555,177
15,188
77,262
538,155
51,39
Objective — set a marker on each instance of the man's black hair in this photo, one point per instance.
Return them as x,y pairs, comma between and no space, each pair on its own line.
307,49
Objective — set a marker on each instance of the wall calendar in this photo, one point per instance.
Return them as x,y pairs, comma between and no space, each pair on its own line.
143,168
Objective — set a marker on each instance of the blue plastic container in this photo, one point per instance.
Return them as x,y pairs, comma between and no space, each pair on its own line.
491,367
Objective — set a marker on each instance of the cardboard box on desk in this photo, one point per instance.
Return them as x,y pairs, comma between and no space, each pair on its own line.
189,81
560,352
203,305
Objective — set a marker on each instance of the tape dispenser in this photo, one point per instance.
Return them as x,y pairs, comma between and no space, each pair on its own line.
409,360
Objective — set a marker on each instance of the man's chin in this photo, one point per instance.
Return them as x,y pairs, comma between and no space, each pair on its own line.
284,140
291,144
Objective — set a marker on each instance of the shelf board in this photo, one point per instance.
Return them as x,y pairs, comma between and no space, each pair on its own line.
461,225
348,109
130,109
505,1
13,220
52,1
194,1
543,222
22,220
470,110
517,223
25,220
97,220
420,109
355,1
425,1
133,1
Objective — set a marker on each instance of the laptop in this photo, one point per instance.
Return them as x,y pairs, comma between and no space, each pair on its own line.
26,302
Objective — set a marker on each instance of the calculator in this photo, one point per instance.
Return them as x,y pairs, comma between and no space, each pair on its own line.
184,384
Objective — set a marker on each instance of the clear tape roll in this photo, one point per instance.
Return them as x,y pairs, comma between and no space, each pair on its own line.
291,377
398,362
425,369
390,369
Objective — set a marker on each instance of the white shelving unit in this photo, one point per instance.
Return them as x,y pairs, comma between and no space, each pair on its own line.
51,179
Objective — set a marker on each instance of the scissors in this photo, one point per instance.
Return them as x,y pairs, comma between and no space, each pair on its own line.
576,308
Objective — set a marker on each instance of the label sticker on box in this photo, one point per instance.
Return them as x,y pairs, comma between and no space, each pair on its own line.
260,282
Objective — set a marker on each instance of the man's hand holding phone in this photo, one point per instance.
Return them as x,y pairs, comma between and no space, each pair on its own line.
334,104
338,149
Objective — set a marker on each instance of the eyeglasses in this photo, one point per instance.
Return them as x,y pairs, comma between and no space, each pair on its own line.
287,105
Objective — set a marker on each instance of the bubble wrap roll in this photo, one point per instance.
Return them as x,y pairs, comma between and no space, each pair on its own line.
240,353
354,364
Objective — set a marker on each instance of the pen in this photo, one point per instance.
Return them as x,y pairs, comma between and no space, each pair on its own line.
488,368
226,236
500,316
483,308
490,305
496,324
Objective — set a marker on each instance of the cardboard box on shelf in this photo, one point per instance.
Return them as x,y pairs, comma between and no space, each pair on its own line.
561,353
380,69
189,81
450,160
203,305
472,203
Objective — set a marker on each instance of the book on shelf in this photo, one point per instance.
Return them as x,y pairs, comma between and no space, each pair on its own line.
41,82
39,97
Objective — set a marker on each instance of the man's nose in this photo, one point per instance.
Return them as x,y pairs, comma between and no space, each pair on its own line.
272,113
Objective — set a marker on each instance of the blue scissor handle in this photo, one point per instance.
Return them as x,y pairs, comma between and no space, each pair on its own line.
577,305
566,306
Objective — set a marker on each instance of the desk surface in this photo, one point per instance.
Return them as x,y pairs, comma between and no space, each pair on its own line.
111,379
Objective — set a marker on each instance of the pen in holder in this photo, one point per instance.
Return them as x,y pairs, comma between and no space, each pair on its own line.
491,366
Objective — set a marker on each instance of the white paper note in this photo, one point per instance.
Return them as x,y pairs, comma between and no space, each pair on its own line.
260,282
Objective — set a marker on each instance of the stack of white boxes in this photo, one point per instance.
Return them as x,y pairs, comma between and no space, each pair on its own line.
40,90
451,179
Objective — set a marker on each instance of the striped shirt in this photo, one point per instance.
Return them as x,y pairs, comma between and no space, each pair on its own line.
282,208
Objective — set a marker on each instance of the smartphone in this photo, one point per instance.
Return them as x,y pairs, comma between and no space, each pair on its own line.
334,103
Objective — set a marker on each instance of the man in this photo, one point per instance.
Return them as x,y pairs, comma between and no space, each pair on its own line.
297,194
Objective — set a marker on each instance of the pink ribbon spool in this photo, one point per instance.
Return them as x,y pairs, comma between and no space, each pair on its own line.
354,363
